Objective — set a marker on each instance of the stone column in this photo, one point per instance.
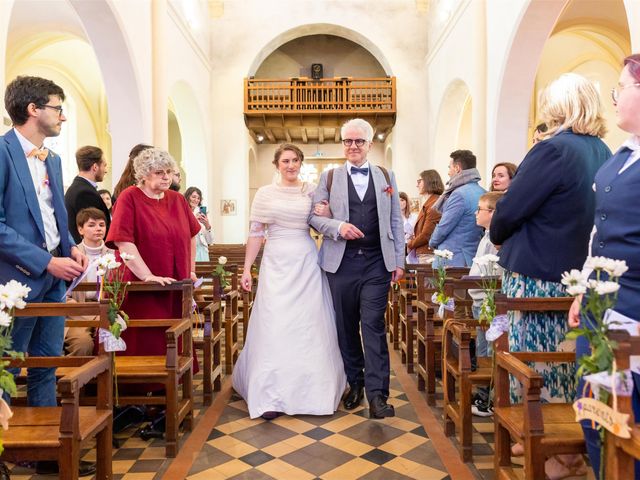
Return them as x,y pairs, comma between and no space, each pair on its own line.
160,90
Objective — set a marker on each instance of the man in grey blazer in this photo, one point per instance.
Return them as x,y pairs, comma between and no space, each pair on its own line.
362,253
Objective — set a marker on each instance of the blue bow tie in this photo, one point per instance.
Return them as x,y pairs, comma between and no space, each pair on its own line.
363,171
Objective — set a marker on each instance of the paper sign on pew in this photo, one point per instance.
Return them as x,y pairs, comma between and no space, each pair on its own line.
612,420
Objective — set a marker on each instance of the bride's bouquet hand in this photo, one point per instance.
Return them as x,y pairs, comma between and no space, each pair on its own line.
246,281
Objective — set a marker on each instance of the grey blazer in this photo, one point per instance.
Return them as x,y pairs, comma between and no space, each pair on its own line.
389,216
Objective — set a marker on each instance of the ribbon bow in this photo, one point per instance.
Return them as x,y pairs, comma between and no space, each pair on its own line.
41,154
363,171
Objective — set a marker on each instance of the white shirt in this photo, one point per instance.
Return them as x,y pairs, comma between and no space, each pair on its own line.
40,179
634,144
360,181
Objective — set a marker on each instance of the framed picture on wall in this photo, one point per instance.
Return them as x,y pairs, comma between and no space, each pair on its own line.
228,207
415,204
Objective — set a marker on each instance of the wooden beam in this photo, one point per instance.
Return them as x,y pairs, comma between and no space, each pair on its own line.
305,139
269,133
287,135
320,134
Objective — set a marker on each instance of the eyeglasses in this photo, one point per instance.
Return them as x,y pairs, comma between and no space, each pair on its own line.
53,107
615,91
347,142
484,210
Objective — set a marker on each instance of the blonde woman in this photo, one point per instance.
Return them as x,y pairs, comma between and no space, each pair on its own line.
543,223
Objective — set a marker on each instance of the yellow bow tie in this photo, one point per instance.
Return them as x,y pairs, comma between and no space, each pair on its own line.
41,154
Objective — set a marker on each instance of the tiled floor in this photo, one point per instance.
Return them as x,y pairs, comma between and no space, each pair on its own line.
346,445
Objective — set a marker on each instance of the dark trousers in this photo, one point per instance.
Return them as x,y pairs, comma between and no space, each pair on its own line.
359,289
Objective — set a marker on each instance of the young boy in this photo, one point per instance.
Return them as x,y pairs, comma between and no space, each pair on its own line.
481,405
92,226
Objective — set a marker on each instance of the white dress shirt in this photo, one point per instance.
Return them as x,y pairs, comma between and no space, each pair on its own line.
632,143
40,179
360,181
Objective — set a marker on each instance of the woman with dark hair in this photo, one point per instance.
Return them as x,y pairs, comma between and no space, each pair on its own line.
616,233
408,217
430,185
501,176
291,362
205,236
128,177
106,198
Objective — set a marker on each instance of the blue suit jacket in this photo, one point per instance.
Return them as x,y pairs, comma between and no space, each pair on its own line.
23,249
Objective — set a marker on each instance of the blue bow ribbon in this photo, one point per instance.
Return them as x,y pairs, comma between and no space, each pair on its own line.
363,171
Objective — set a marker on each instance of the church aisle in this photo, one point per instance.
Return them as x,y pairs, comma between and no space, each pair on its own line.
348,445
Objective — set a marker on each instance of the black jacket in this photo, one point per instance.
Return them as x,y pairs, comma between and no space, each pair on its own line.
81,194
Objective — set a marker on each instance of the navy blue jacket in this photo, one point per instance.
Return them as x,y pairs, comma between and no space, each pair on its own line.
544,220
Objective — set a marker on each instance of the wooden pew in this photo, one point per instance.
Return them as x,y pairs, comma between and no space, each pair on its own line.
543,429
391,317
208,339
621,453
169,370
457,374
59,433
429,331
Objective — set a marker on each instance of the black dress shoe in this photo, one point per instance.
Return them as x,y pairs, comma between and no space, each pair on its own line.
4,472
50,467
354,397
379,408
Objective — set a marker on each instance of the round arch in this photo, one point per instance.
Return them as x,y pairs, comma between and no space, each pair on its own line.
319,29
453,115
123,94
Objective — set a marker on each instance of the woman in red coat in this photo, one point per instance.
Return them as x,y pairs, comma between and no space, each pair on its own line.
157,227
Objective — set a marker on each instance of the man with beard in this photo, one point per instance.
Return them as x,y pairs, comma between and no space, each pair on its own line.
83,192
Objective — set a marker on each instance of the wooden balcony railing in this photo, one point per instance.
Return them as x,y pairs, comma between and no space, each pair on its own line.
336,95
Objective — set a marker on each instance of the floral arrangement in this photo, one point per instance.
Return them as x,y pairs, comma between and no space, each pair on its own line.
488,270
388,190
12,296
110,278
601,295
221,273
441,259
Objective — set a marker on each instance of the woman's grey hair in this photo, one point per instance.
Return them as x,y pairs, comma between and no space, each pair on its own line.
150,160
359,124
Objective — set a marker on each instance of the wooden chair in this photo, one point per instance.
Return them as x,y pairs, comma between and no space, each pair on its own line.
543,429
429,331
209,340
169,370
392,318
621,453
406,319
457,374
59,433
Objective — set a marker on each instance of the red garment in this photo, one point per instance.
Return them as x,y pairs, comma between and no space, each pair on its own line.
162,231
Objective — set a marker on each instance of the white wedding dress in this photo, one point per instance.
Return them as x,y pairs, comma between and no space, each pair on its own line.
291,361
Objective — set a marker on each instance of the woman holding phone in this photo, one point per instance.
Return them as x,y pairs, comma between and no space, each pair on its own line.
205,236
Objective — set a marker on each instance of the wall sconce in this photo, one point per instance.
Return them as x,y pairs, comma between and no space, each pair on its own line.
381,136
260,138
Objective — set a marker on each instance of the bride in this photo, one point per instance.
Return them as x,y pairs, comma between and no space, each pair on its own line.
291,361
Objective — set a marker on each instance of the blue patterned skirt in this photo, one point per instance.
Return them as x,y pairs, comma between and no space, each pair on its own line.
540,332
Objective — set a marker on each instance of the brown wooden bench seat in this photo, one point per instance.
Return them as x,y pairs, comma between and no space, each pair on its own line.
59,433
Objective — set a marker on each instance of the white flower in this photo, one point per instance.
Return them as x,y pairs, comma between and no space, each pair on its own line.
604,288
222,260
616,268
126,256
596,263
12,295
100,272
446,254
5,319
574,277
480,261
575,290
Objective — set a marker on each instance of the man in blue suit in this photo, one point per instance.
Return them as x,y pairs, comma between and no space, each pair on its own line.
36,248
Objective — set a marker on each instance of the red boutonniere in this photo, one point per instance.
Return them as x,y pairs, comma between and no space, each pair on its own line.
388,190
